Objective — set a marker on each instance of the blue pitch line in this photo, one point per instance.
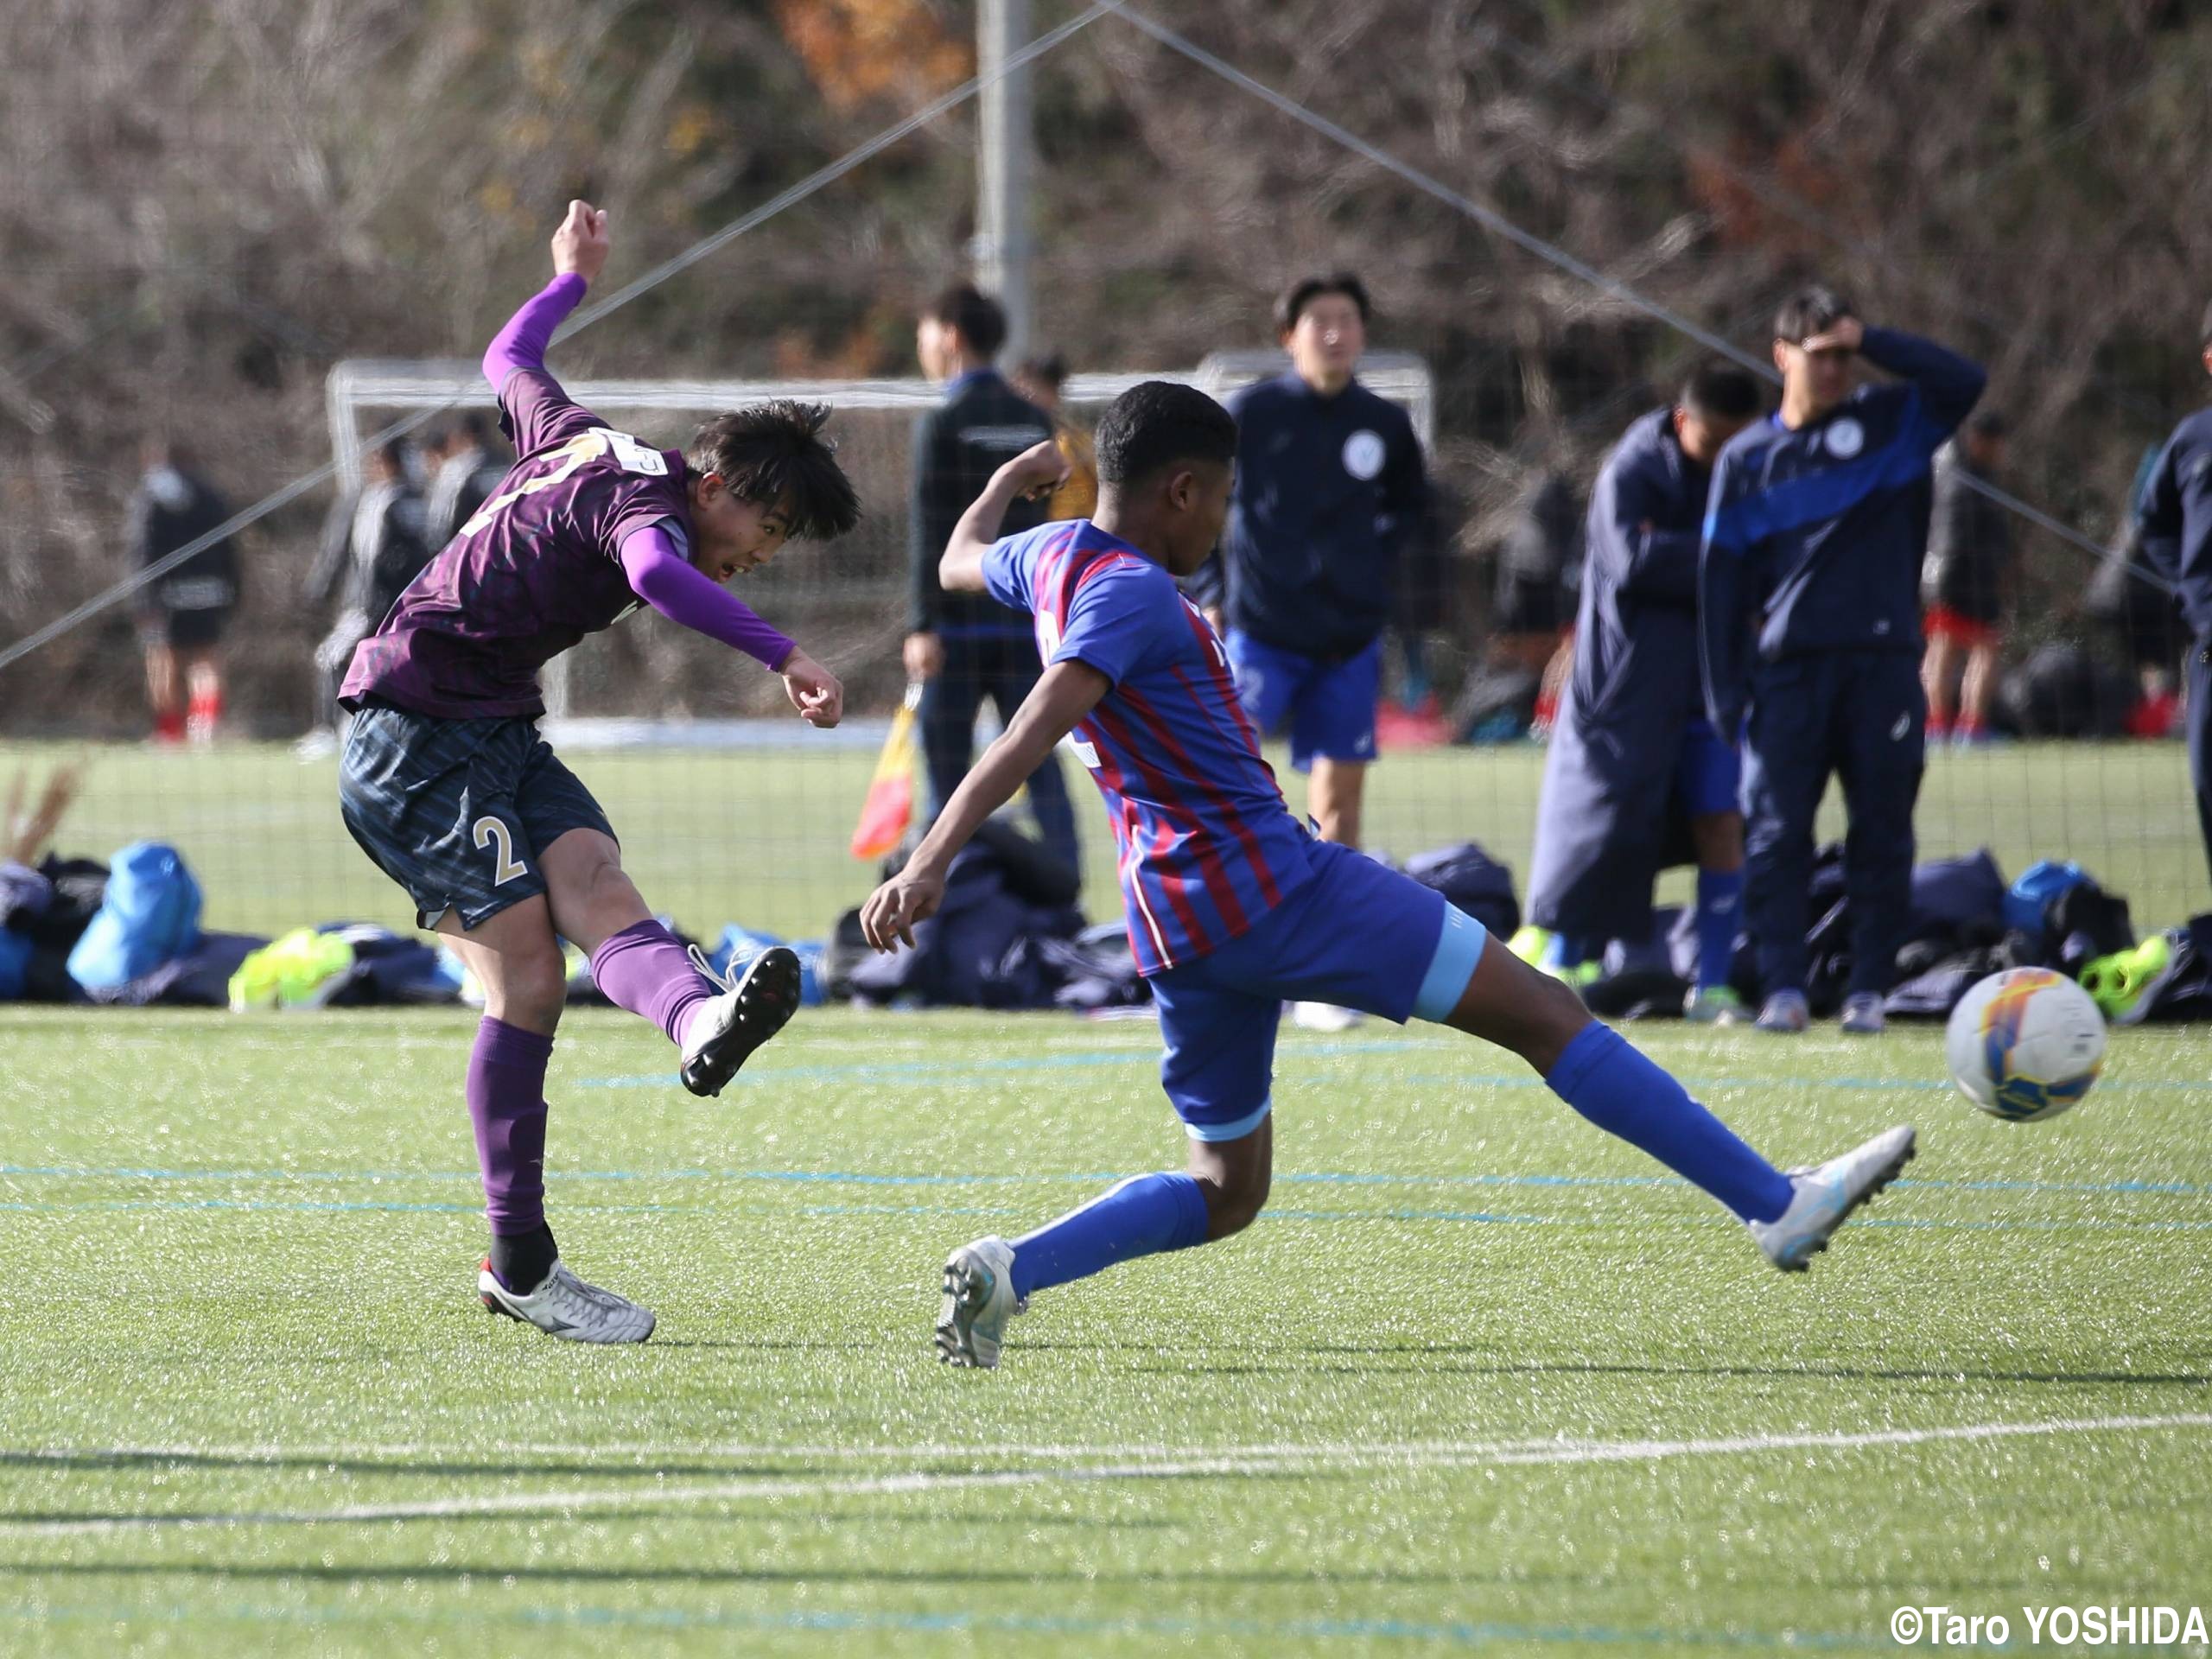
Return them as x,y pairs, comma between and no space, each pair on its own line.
1399,1214
931,1073
1467,1634
854,1177
924,1070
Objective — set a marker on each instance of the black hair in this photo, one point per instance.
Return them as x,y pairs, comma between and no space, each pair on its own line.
1050,369
774,453
980,319
1718,390
1989,423
393,453
1302,293
1811,311
1157,423
472,425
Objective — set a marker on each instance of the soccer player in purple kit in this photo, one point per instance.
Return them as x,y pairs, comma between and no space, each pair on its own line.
1233,908
446,785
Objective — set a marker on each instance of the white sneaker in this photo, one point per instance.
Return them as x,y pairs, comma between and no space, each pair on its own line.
1825,1196
979,1300
565,1306
1322,1016
754,1005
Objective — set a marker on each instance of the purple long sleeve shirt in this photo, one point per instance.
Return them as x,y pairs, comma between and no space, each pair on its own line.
589,522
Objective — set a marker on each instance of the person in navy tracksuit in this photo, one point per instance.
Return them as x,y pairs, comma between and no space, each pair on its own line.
1808,614
2176,518
1635,779
1329,492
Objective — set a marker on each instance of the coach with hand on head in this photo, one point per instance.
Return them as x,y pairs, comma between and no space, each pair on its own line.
1809,613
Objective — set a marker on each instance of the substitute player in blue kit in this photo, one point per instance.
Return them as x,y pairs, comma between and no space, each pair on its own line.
1232,907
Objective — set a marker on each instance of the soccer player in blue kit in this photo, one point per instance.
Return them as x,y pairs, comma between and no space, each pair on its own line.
447,784
1233,908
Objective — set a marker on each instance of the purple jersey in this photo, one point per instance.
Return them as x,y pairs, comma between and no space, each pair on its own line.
537,569
1207,847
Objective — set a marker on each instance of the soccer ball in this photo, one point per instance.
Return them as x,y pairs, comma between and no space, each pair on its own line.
2025,1043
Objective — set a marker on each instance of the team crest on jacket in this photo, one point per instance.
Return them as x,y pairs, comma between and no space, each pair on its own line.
1846,438
1364,454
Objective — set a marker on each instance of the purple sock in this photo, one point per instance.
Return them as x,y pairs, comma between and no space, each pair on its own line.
644,969
506,1105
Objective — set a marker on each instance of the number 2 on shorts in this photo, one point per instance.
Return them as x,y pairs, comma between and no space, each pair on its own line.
493,832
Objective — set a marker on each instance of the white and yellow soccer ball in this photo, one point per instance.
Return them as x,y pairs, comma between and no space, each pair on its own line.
2026,1043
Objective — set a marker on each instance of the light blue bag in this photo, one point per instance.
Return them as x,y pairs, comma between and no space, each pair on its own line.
149,916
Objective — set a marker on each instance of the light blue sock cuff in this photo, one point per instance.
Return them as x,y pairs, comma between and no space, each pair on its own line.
1237,1129
1458,953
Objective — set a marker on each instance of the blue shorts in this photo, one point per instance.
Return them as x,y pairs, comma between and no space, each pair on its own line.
1329,702
457,811
1358,934
1708,775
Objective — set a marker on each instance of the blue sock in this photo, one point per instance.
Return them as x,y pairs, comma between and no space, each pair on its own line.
1610,1082
1719,917
1143,1216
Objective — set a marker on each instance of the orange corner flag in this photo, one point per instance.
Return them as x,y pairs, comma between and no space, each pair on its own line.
889,807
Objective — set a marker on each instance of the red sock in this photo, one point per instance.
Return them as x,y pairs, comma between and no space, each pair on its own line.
168,728
207,712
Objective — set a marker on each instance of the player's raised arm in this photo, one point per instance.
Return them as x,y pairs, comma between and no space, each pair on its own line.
580,249
1066,693
1949,384
1037,471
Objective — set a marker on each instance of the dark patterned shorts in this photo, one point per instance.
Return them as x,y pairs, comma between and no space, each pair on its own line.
456,811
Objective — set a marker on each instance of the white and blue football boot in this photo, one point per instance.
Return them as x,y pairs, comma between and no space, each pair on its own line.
1825,1195
979,1300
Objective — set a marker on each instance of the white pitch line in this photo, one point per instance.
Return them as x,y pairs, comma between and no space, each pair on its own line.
1242,1462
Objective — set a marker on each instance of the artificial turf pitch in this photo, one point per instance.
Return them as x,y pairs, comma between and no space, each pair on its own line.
1482,1377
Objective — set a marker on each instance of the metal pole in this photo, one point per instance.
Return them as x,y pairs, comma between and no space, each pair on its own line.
1002,249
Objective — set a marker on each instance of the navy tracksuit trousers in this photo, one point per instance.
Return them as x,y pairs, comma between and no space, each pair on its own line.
1859,716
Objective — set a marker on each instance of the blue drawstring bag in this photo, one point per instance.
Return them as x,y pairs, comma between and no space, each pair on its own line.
150,916
2032,895
739,944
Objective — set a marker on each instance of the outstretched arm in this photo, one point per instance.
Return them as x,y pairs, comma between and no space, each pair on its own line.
672,584
580,249
1037,471
1064,694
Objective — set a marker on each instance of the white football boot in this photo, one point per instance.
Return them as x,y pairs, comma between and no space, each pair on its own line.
1825,1195
565,1306
1322,1016
979,1300
753,1006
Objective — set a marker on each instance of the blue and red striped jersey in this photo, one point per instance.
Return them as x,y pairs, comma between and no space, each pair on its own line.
1206,846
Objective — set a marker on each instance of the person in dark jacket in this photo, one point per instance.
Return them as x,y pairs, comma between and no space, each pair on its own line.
965,648
181,613
1809,615
1965,583
1330,488
1635,778
373,546
2176,533
469,468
